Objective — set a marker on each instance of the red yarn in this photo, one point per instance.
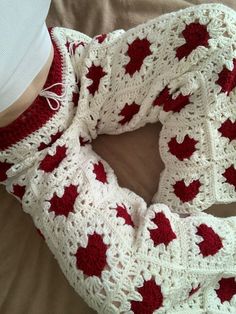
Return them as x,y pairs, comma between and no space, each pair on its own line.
100,172
65,204
100,38
164,233
164,98
95,73
49,163
82,141
195,35
54,137
38,113
186,193
92,259
4,166
122,212
228,129
75,45
230,175
184,149
227,79
152,298
128,112
19,190
138,50
227,289
211,243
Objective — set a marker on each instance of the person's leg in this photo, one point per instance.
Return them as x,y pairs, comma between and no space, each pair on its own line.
119,95
118,254
174,69
122,73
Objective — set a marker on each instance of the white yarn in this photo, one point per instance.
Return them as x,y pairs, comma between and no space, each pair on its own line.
77,203
50,95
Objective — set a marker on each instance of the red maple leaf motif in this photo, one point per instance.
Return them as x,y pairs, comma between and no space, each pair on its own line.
169,104
128,112
227,289
211,243
123,212
186,193
163,233
228,129
152,298
138,50
100,172
195,35
92,258
184,149
227,79
65,204
95,73
49,163
230,175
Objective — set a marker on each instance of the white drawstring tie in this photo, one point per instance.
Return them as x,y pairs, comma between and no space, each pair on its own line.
47,94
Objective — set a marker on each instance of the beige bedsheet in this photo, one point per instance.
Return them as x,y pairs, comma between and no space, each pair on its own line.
31,281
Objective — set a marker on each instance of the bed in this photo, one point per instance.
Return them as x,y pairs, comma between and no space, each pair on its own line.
31,281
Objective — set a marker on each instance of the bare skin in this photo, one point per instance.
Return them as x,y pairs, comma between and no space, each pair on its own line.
29,95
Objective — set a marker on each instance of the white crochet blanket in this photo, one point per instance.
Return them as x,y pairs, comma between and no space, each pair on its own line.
119,254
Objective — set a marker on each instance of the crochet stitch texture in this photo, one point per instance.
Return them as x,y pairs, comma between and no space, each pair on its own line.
119,254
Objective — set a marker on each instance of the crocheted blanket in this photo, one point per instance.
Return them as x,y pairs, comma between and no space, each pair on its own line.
73,195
